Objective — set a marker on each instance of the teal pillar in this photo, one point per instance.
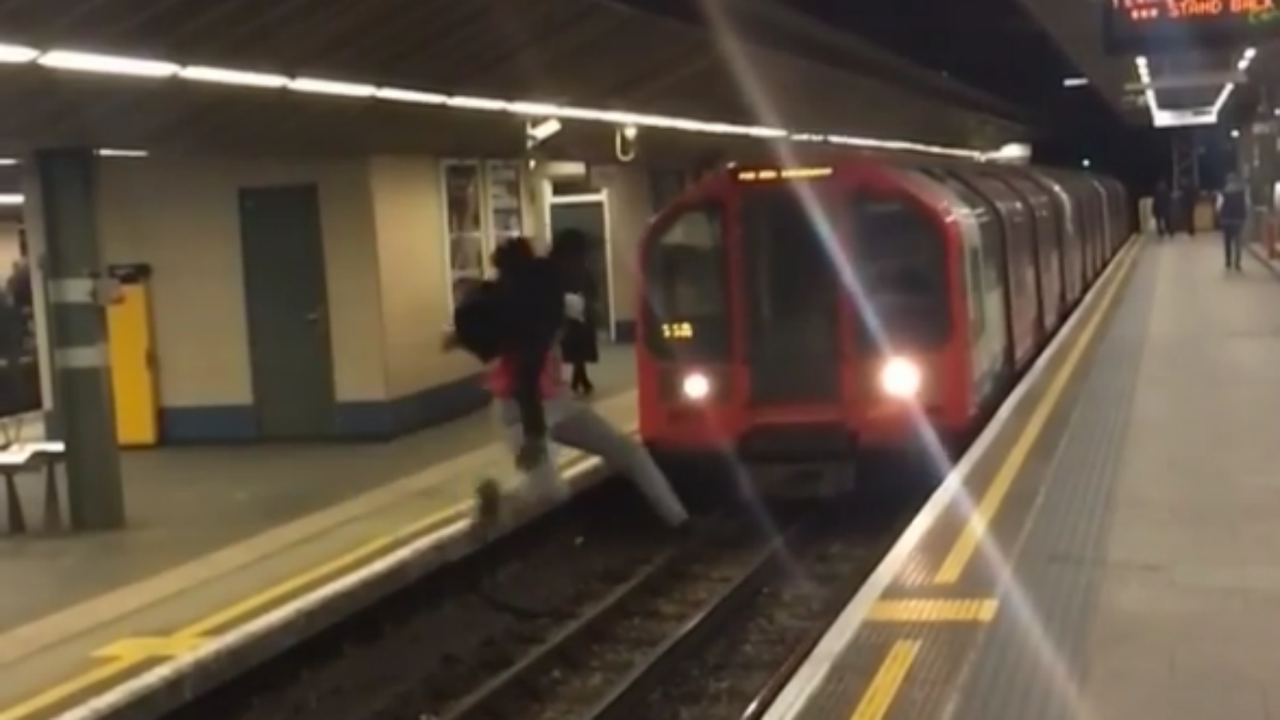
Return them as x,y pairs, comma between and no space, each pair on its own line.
83,408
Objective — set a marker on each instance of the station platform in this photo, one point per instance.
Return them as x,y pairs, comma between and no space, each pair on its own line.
1108,548
232,548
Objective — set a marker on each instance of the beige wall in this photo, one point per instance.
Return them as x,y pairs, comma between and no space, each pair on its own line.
413,269
630,207
10,246
413,273
181,216
385,256
385,253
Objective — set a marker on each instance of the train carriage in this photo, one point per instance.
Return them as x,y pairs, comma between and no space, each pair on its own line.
809,314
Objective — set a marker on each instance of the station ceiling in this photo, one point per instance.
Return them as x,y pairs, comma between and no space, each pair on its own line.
1187,78
1076,27
580,53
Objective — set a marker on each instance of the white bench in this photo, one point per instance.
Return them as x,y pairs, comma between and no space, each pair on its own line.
29,457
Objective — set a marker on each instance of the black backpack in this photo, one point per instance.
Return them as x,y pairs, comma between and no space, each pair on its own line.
480,322
525,312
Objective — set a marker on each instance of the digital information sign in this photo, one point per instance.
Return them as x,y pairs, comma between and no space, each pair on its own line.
1153,27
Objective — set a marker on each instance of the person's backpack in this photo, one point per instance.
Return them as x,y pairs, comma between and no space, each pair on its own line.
526,312
480,323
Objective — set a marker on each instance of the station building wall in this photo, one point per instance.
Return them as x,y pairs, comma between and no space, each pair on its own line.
181,216
385,242
386,267
425,385
630,207
10,246
416,274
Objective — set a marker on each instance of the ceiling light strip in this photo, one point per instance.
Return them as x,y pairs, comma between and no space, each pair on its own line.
76,61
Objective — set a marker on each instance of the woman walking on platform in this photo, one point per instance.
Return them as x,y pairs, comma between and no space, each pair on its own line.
579,346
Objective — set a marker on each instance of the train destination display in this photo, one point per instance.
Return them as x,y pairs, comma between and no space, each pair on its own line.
1169,26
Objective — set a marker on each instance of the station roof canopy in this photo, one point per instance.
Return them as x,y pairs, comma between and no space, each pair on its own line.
439,76
1159,70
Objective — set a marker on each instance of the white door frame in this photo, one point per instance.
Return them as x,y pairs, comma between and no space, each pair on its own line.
601,197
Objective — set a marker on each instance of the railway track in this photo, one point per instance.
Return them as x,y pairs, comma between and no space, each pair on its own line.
732,664
711,632
595,661
608,619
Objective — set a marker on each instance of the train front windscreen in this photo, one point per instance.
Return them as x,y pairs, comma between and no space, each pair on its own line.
900,262
687,292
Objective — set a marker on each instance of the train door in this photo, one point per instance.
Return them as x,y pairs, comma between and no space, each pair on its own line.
1024,295
1048,250
791,294
1057,224
1107,231
1083,226
1070,234
1083,190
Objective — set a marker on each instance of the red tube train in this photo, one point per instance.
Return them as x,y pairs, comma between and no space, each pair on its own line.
805,315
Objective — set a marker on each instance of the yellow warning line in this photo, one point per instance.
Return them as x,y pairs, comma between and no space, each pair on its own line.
71,688
966,544
238,613
128,654
884,687
148,648
935,610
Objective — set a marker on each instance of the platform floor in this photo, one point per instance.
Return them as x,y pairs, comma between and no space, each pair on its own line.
231,521
1148,583
1126,563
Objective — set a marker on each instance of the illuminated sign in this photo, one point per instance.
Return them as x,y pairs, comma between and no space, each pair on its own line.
1175,26
677,331
784,174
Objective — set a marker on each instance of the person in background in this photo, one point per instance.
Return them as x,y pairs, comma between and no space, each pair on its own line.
1161,208
525,379
578,345
1177,206
1233,213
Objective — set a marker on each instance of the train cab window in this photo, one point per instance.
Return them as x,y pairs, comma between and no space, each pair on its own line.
900,260
686,286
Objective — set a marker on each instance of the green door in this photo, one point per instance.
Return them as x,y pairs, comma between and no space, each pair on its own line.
286,302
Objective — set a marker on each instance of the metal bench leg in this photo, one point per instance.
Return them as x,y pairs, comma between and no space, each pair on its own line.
52,500
17,519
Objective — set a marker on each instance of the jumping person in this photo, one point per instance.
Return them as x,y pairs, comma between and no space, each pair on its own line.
513,323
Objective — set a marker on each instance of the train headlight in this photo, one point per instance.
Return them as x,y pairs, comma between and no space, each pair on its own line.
696,386
901,378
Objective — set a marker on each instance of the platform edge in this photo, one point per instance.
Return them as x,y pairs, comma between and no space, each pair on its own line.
812,674
160,689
